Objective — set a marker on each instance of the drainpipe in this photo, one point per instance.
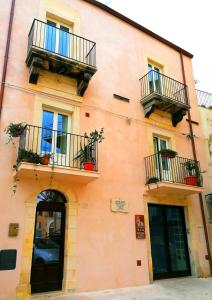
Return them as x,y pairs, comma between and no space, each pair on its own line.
4,71
195,158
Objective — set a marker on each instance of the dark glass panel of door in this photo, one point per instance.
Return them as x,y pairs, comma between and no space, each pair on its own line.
168,241
48,248
158,240
177,239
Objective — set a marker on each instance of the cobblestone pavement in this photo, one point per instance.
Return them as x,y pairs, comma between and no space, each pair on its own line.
170,289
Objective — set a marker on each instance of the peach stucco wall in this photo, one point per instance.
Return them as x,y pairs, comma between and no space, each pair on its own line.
106,249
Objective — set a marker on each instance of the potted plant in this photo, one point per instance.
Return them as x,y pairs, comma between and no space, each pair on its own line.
45,158
86,157
14,130
28,156
86,153
193,171
168,153
152,180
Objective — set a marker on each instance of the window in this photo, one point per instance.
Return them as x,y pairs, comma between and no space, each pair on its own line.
160,143
161,163
154,79
54,137
57,38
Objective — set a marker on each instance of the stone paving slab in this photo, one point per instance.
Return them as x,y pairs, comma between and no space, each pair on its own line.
169,289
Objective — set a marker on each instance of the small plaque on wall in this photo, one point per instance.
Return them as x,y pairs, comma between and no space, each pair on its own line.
119,205
13,229
139,227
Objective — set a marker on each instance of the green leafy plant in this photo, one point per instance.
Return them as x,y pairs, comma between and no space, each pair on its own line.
14,130
152,180
192,167
168,153
28,156
85,154
86,151
25,156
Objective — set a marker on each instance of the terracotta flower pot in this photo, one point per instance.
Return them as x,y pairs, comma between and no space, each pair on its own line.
89,166
191,180
45,160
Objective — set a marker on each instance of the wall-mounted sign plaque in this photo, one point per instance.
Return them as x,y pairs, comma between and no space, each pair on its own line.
13,229
118,205
139,227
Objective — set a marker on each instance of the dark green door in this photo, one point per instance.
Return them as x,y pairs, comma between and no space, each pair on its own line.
168,241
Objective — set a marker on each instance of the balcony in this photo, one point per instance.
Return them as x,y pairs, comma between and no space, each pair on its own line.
55,154
176,175
164,93
56,50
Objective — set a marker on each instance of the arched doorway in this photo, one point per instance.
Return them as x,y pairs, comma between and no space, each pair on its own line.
48,245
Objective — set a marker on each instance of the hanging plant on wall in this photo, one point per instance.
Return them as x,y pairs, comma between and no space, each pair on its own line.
14,130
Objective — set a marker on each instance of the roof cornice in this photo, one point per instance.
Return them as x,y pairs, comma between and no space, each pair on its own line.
138,26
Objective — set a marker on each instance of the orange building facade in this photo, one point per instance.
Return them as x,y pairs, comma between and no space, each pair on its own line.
119,213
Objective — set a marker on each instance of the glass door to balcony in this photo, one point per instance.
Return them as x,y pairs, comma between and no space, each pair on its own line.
54,137
50,36
169,247
162,164
155,84
57,38
64,41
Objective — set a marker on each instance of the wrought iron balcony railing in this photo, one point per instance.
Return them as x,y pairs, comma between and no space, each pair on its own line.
63,43
155,82
65,149
161,92
175,170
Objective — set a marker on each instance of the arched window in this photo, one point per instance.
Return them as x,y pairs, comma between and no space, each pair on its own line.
51,196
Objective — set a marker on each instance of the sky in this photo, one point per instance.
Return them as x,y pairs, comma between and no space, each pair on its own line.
186,23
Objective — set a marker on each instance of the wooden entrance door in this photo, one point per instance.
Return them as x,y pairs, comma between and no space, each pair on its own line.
48,246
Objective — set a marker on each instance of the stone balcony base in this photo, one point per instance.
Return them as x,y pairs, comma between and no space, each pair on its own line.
172,188
59,173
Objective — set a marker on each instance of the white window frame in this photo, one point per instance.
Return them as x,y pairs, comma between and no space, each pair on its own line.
62,157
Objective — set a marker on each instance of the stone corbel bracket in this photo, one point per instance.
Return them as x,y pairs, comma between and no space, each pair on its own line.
150,106
34,69
178,116
82,83
75,70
